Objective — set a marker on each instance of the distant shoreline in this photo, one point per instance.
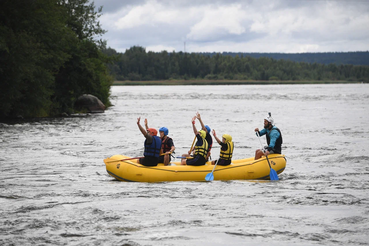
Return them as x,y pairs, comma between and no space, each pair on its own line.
228,82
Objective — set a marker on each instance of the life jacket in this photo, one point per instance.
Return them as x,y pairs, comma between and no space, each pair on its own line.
153,149
203,149
227,154
278,142
164,145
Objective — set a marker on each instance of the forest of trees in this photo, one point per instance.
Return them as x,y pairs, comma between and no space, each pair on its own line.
138,65
49,57
338,58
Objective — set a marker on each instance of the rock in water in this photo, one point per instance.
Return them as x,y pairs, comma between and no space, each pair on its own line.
89,103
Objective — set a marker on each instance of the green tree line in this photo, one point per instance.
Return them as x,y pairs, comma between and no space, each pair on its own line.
338,58
49,56
138,65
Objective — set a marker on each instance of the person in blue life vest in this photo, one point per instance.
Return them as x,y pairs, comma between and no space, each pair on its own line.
226,149
152,146
167,145
200,149
208,137
273,136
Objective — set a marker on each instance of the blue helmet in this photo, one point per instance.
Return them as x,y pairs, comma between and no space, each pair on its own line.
165,130
208,129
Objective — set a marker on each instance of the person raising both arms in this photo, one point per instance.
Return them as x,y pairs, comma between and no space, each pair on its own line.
167,145
208,137
200,149
152,146
273,136
226,150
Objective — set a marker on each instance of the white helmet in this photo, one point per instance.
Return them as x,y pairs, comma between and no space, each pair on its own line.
269,119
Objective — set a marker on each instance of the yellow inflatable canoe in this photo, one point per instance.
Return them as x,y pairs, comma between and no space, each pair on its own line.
129,170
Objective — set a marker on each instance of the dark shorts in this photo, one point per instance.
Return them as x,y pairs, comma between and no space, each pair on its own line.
273,151
198,160
223,162
161,158
149,161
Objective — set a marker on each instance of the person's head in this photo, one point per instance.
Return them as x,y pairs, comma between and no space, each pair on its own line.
268,121
202,133
152,131
163,131
227,138
208,129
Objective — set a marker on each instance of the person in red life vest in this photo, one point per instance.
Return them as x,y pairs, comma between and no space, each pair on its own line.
273,136
200,148
152,146
208,137
226,149
167,145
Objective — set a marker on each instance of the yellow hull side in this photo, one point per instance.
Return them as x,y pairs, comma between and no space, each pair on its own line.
242,169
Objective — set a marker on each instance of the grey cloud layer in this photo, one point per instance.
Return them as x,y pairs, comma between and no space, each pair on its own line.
239,26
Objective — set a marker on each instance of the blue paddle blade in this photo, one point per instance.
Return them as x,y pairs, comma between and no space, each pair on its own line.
273,174
209,177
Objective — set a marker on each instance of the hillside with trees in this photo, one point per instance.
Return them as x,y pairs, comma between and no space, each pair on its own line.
49,57
138,65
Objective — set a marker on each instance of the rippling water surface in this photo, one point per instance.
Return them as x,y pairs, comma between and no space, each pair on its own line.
54,189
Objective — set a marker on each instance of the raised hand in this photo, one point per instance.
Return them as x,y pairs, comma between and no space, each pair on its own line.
146,125
193,120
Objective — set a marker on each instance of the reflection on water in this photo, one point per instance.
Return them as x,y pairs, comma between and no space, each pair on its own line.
55,189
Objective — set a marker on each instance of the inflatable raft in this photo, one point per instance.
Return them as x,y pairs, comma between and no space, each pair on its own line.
124,168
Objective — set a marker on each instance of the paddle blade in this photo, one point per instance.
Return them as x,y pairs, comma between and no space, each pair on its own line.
209,177
273,174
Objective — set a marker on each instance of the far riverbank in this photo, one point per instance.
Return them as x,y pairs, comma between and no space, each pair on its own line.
228,82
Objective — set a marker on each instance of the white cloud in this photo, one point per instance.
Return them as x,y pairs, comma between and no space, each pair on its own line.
239,26
151,14
135,17
218,21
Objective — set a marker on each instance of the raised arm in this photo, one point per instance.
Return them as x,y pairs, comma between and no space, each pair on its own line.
143,131
193,125
146,125
215,136
202,124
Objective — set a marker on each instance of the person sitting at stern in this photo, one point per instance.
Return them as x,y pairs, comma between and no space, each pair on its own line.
273,136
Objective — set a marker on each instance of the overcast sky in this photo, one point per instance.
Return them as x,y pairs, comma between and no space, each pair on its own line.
283,26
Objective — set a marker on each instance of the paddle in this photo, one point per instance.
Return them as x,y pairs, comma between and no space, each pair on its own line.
188,157
193,142
126,159
210,176
132,158
273,174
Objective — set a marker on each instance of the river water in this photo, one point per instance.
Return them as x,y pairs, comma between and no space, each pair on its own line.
54,189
